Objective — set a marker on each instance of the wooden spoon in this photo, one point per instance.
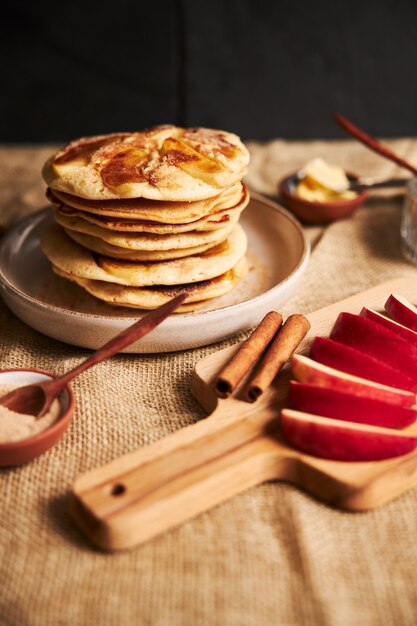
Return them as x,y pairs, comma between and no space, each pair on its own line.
372,143
36,399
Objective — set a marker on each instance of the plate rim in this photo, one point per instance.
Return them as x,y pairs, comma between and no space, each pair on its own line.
305,255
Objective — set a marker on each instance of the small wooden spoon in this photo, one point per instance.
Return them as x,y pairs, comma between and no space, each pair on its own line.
373,143
36,399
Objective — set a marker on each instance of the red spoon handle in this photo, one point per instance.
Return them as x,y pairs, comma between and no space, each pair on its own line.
372,143
123,339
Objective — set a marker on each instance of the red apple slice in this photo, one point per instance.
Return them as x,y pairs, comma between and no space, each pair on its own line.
308,371
345,406
355,362
372,338
402,311
400,330
343,441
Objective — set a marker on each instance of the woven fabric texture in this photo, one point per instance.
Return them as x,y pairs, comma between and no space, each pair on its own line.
270,556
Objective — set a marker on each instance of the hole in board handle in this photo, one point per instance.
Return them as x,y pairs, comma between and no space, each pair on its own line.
118,489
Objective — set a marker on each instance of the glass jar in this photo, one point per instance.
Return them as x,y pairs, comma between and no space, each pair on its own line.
409,222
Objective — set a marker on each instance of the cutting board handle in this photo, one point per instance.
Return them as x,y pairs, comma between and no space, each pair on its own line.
148,491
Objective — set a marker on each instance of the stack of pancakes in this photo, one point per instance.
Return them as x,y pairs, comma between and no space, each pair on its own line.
140,217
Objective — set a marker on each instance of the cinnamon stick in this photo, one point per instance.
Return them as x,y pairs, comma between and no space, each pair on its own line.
281,349
231,375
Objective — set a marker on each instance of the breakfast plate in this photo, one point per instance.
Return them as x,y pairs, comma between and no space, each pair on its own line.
278,254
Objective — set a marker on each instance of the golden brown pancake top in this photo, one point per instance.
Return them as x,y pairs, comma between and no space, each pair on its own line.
160,163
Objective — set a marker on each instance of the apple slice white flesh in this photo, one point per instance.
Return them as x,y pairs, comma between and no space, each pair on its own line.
357,363
329,402
372,338
308,371
399,329
342,441
402,311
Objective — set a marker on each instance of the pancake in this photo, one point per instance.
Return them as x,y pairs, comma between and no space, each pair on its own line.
115,252
199,293
210,222
142,241
161,163
155,211
71,258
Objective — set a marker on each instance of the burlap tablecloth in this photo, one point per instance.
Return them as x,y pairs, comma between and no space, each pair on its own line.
272,555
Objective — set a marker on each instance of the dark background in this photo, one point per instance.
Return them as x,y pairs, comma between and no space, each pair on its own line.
260,68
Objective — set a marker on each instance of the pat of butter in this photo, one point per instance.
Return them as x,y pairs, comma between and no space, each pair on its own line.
321,182
331,177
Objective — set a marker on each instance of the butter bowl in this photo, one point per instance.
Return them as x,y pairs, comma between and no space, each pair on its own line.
317,212
27,449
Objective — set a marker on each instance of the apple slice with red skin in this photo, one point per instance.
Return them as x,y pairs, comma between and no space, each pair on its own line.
306,370
402,311
343,441
372,338
399,329
355,362
329,402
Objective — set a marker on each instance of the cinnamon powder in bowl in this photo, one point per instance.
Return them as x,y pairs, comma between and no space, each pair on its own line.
24,437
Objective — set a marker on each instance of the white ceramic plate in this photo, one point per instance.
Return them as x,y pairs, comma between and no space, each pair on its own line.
278,254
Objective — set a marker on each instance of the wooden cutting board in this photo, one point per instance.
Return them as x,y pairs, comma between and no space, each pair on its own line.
146,492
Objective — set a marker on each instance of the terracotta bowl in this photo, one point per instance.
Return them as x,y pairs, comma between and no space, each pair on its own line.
18,452
317,212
